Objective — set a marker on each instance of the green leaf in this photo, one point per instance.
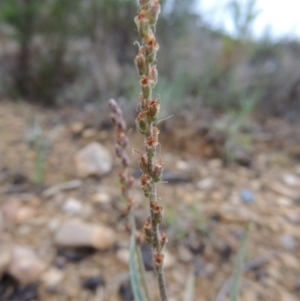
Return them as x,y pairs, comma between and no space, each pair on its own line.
134,275
190,287
236,281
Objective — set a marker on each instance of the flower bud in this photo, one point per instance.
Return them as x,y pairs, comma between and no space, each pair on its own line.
158,261
153,109
157,212
140,64
148,234
151,49
145,83
142,123
153,75
144,163
153,12
125,160
157,171
145,181
142,24
163,240
122,139
144,3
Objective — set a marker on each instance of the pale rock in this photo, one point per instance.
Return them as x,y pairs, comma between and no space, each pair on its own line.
101,198
76,233
169,260
52,279
93,160
284,201
205,184
89,133
54,224
72,206
123,255
25,266
24,214
76,127
291,180
182,165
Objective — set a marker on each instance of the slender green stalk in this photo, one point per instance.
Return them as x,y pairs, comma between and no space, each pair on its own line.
152,168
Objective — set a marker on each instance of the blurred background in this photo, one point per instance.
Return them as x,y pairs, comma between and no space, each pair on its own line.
229,72
225,55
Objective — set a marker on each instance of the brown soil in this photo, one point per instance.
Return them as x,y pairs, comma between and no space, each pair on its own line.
205,213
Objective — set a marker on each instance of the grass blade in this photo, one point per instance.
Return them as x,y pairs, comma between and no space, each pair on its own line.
134,275
190,287
237,275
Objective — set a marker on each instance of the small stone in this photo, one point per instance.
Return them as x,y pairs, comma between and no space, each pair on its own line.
76,127
123,255
284,201
68,254
72,206
93,160
169,260
288,242
291,180
247,196
24,214
101,198
205,184
182,165
125,291
52,279
89,133
54,224
93,282
76,233
25,266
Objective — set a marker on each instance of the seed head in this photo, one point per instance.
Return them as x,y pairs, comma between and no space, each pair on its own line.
157,171
153,109
154,12
140,63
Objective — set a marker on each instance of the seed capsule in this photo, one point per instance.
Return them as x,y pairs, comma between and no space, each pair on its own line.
140,63
154,12
142,24
145,83
148,233
142,123
157,171
153,109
